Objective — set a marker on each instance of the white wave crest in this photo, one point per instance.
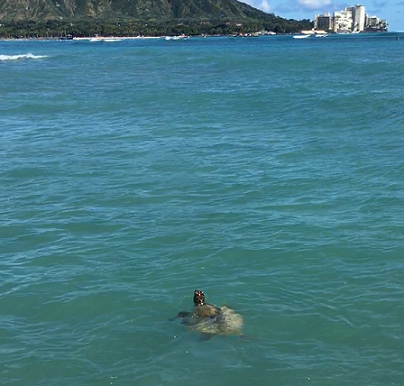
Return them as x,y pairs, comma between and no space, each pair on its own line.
21,56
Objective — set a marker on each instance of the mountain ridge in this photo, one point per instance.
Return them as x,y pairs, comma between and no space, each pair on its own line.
43,10
35,18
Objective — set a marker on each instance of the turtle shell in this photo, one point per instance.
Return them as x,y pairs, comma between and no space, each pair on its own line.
206,311
226,323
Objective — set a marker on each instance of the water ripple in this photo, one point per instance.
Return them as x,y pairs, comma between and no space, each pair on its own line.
223,168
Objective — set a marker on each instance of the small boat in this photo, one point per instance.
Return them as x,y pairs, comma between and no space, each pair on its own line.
105,40
111,40
66,37
180,37
300,36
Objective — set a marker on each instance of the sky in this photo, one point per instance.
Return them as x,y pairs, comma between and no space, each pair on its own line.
392,11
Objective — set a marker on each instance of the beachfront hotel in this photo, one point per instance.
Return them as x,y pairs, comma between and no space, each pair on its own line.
350,20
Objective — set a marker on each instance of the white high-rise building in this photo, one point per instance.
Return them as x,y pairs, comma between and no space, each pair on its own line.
351,19
358,16
343,20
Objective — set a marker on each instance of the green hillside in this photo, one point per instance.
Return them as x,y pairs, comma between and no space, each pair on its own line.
114,17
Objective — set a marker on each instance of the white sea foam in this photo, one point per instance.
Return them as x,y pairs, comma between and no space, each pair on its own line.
21,56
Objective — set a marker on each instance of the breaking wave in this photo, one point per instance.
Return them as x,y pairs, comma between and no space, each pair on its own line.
21,56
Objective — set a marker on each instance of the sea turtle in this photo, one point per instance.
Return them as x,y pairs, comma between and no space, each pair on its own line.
211,320
201,310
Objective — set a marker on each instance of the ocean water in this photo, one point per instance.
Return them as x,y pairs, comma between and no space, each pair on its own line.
268,172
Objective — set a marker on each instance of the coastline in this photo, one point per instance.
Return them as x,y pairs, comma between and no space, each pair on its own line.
185,37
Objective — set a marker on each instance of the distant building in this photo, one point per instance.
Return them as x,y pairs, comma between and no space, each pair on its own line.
374,24
358,17
372,21
323,22
343,20
351,19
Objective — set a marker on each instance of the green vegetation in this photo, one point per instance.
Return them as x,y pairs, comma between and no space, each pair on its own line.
55,18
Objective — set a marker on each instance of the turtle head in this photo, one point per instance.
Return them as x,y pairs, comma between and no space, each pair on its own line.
199,298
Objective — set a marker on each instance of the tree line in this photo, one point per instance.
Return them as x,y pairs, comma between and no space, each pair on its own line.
133,27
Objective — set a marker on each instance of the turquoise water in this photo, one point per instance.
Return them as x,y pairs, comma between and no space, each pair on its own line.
268,172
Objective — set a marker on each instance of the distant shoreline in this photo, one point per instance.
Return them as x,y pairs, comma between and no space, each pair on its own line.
178,37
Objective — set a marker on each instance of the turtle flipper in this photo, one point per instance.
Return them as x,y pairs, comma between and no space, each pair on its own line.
246,337
227,306
181,314
204,336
